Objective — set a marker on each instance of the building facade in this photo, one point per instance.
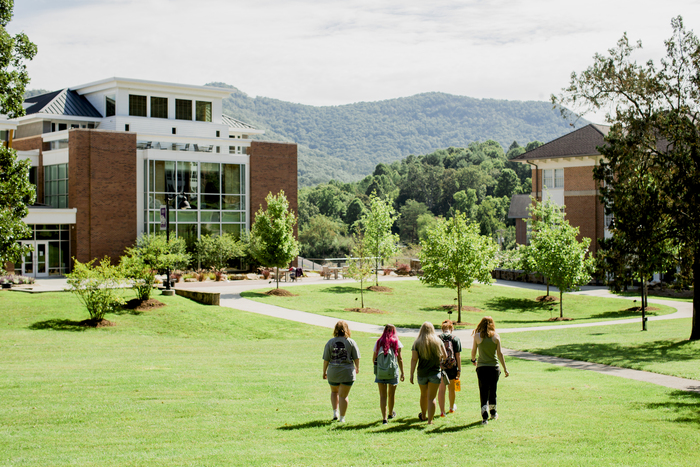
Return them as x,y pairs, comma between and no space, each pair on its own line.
562,170
107,155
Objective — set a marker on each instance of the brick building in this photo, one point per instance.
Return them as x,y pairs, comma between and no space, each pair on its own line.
106,155
563,170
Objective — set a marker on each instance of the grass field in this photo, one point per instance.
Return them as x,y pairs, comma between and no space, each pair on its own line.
664,348
195,385
411,303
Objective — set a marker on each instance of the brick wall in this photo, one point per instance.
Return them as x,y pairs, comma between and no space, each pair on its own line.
102,186
579,179
584,212
520,231
273,167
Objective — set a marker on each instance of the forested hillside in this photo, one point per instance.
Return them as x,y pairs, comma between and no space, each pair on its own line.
346,142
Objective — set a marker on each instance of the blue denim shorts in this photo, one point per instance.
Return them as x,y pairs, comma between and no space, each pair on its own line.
393,382
435,379
349,383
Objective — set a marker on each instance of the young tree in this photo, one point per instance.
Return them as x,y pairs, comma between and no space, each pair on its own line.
455,255
655,113
216,251
16,192
376,228
555,252
97,287
272,241
360,265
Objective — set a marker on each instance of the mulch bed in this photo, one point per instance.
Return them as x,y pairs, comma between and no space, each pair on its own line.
560,319
91,323
464,308
379,288
639,308
143,305
546,298
366,310
280,293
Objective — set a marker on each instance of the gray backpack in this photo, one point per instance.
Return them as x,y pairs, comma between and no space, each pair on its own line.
387,365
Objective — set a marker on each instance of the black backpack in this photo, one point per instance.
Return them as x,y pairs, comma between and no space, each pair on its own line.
450,362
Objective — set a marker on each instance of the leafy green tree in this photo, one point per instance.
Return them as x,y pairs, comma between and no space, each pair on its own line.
455,255
408,222
557,254
376,227
655,117
508,184
152,254
360,265
426,223
354,212
272,241
215,251
465,201
323,237
97,286
16,192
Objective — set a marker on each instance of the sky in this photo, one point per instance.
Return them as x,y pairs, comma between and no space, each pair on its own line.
334,52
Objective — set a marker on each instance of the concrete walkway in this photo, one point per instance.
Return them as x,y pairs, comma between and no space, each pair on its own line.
231,298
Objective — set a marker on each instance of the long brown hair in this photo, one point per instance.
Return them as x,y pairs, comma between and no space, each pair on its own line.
341,329
427,343
485,328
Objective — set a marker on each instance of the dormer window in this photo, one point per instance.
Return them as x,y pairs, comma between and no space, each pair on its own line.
203,111
110,106
159,107
183,109
137,105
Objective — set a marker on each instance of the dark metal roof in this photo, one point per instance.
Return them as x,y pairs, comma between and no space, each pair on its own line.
519,207
582,142
236,124
61,102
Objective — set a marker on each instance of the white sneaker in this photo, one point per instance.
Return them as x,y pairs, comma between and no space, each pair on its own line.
484,422
494,416
335,415
341,420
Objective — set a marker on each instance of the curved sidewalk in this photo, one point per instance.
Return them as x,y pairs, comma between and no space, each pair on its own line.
231,298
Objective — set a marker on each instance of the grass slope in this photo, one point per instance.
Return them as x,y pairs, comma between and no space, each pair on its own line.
412,303
189,384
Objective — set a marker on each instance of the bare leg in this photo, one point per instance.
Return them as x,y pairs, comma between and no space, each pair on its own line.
382,399
343,392
441,396
431,402
334,397
392,392
453,394
423,399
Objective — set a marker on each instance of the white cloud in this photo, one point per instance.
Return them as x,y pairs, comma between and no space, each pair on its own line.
336,52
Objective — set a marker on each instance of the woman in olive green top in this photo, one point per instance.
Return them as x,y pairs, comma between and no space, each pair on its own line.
488,343
427,351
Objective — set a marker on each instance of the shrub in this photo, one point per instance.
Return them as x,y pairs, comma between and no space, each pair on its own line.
403,269
96,286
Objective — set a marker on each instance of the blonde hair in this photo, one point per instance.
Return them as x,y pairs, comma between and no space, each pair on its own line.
341,329
427,343
485,328
447,325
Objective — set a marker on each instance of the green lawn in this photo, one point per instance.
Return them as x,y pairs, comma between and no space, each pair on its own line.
195,385
411,303
664,348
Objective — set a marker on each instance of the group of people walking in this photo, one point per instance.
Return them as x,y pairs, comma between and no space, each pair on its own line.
437,359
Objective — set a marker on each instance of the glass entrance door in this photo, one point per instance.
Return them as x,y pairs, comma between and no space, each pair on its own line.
28,262
36,263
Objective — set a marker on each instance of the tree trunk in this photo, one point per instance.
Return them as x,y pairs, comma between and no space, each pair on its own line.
561,305
376,272
277,277
459,303
546,281
695,326
644,317
362,294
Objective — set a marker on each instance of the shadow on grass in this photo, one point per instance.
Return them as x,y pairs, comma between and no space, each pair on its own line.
621,314
340,289
58,325
400,425
454,429
301,426
626,356
684,404
514,304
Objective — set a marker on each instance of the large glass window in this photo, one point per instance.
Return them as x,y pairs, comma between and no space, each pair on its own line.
558,178
547,180
203,111
137,105
56,185
183,109
159,107
110,106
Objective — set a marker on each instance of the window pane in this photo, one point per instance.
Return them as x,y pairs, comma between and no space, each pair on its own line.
208,216
159,107
187,177
210,229
558,178
169,176
210,178
63,171
234,229
231,178
54,254
183,109
137,105
232,202
231,216
547,178
187,216
203,111
110,106
211,202
188,232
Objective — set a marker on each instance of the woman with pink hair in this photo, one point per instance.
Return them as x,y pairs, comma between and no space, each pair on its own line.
387,363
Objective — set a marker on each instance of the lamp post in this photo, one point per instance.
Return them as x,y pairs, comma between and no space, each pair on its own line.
183,205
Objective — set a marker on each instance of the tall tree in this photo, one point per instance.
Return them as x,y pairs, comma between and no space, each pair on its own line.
272,241
454,255
16,192
655,113
376,228
360,265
